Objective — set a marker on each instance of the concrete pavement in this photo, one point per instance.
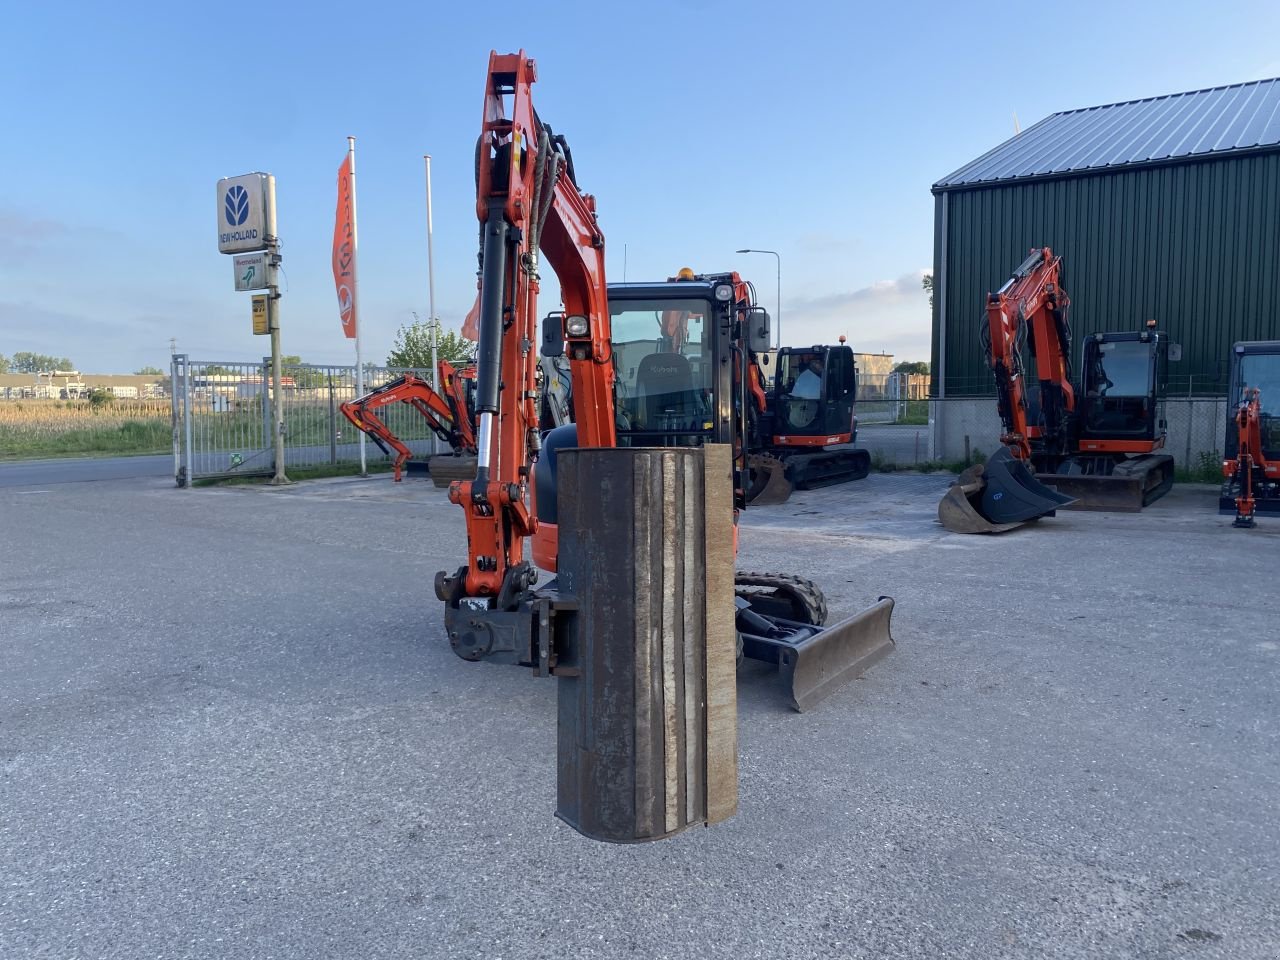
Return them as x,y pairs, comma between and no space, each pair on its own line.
230,727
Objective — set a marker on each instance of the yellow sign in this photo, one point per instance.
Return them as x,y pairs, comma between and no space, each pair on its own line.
260,324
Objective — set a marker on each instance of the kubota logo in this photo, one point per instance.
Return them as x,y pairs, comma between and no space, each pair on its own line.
344,301
236,205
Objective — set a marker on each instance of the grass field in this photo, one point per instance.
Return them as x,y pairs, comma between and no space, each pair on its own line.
70,428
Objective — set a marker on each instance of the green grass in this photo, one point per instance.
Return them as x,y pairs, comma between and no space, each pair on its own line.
1207,468
916,414
130,438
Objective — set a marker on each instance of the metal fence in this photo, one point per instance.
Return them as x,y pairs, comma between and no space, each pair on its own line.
223,419
949,432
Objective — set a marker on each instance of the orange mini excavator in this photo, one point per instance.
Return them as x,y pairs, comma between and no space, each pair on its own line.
1251,466
1089,445
448,414
637,379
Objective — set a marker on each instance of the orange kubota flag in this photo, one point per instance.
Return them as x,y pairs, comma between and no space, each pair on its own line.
344,249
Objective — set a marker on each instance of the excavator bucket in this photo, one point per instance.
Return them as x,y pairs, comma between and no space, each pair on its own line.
997,496
767,481
1013,494
818,666
960,511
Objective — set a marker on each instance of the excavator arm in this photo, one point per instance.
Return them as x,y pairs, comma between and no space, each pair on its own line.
528,203
1031,307
1249,455
447,420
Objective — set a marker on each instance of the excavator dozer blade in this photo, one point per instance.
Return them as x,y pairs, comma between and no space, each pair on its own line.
1132,485
826,661
768,483
1013,494
959,510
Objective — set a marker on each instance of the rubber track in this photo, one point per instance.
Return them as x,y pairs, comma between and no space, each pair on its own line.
807,594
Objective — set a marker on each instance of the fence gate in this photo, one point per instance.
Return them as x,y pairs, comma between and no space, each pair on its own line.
222,417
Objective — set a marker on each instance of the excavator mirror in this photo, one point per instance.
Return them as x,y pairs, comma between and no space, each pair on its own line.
1175,352
553,335
758,339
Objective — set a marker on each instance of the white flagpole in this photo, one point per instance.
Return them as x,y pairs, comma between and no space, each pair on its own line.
355,292
431,296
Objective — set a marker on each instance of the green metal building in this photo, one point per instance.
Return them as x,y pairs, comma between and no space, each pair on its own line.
1165,208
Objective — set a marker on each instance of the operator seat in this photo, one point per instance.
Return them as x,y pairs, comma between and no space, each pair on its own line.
666,397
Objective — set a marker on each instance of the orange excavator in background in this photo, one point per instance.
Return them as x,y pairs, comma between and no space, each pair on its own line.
1251,464
1092,445
448,413
637,379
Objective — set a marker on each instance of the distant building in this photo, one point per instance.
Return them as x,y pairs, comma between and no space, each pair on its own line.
873,374
908,386
1162,208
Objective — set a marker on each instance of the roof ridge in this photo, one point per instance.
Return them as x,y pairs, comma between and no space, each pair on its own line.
1213,121
1166,96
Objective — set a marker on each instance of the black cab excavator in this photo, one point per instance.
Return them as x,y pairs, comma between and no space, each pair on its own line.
803,427
1091,444
651,364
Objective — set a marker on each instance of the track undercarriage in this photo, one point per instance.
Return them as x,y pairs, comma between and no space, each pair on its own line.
780,620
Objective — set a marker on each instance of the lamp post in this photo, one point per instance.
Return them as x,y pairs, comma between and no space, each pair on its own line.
777,319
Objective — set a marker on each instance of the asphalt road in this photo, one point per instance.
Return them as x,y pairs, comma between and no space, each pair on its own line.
230,727
23,473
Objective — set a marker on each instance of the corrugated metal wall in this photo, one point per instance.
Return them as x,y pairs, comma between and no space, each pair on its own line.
1194,245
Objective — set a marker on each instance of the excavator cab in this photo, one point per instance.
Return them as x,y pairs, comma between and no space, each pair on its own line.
665,370
813,393
1123,383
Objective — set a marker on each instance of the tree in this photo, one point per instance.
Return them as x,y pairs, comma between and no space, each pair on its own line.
927,282
4,363
304,377
150,372
908,366
412,346
26,362
100,396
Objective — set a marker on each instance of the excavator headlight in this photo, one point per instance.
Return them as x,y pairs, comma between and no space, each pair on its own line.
576,325
724,292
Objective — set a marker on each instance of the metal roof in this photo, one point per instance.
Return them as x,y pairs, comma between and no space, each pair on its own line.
1216,121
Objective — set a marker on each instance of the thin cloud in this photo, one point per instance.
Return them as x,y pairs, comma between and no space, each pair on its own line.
23,236
888,316
906,289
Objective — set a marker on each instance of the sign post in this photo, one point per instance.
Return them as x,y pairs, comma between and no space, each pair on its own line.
247,227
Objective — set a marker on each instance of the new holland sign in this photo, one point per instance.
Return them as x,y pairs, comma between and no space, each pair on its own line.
242,213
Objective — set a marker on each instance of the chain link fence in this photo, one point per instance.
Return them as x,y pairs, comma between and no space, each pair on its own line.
950,433
223,419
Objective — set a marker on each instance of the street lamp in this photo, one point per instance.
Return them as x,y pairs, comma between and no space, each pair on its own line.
777,317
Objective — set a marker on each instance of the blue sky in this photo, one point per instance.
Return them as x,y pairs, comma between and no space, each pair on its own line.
814,129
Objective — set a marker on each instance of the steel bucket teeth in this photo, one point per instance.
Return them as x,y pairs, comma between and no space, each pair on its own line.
820,665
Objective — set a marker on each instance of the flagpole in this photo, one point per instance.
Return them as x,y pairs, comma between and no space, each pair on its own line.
355,291
431,297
